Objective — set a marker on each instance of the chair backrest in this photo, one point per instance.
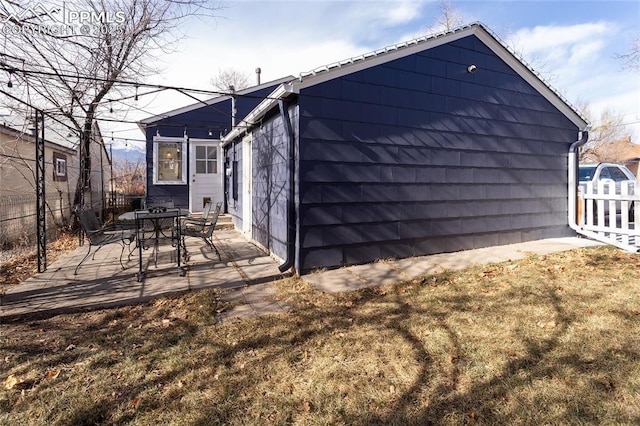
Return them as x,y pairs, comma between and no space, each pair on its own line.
88,221
206,210
214,220
166,203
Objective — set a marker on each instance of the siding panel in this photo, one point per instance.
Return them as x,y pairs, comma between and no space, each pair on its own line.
417,156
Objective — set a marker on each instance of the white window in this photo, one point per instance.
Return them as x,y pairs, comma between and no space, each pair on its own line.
59,167
170,161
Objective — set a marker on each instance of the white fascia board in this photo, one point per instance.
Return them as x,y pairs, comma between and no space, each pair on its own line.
211,101
530,77
181,110
257,113
382,57
412,47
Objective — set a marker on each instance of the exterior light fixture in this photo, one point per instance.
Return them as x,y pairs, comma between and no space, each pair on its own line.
472,68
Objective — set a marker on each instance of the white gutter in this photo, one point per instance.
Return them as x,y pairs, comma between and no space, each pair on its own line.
258,112
573,198
573,180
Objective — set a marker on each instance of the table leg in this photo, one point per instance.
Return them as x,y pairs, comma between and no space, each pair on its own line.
181,270
140,246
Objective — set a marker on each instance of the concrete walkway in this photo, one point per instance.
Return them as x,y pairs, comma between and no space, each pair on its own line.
244,276
387,272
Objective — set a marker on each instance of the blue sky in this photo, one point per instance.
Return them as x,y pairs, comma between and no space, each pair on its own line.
572,43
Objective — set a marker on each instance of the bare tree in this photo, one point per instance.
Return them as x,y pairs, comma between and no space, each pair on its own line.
70,55
447,19
631,59
228,77
129,177
606,128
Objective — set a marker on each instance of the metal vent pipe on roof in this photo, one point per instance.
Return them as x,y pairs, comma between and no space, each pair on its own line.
258,71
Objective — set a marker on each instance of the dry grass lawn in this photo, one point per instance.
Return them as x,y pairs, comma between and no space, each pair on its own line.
547,340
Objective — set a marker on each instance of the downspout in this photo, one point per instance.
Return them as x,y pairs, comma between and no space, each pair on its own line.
291,226
573,180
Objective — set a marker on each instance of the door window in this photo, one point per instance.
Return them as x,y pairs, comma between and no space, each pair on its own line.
206,159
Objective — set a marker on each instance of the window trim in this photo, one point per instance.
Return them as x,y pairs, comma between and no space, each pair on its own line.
157,140
59,159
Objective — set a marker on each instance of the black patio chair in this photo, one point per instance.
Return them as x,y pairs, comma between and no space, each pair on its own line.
198,222
99,235
205,233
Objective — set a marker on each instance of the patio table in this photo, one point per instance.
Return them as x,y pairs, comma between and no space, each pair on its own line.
155,216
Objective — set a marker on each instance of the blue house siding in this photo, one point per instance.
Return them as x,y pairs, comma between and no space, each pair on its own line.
199,122
271,183
418,156
233,162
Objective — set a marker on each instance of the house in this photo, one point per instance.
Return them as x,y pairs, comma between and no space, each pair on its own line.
17,183
622,151
443,143
183,152
98,193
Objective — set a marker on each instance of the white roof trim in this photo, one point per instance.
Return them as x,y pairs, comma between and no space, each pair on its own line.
400,50
210,101
258,112
532,77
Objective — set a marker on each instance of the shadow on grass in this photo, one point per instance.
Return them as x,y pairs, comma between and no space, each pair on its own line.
404,354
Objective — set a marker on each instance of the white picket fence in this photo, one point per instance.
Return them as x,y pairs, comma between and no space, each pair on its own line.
609,212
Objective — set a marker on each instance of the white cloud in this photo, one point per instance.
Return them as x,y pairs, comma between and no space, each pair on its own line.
286,38
547,38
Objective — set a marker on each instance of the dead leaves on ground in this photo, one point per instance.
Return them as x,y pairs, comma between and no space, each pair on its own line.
13,382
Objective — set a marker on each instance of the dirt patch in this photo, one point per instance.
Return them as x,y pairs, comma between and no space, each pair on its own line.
21,263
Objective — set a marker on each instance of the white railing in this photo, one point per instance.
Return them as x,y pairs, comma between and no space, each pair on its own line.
607,211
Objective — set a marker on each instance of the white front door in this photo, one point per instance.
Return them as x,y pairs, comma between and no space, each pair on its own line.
205,169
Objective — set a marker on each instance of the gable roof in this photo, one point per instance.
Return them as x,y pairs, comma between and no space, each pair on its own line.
27,137
400,50
207,102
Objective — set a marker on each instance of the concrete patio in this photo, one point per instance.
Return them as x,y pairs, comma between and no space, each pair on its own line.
244,276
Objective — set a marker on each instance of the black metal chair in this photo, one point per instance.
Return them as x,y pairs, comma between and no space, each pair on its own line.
198,222
205,232
99,235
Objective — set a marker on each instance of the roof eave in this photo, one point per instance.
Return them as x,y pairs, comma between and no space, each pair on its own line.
142,124
270,102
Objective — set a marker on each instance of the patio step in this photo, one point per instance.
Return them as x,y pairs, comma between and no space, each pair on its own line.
225,222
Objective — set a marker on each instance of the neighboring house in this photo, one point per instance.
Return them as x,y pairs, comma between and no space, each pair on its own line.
184,157
439,144
97,194
622,151
17,183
